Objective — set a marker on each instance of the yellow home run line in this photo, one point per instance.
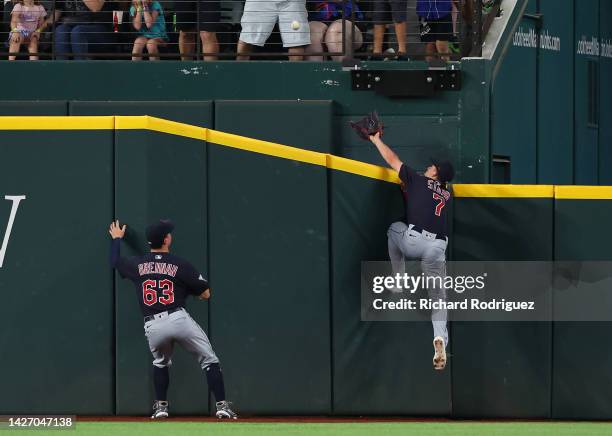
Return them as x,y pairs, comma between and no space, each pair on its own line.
160,125
267,148
297,154
57,123
583,192
504,191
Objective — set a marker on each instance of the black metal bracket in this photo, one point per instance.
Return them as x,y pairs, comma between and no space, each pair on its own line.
534,17
406,83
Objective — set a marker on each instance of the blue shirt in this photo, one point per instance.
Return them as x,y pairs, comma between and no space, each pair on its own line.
158,29
433,9
330,11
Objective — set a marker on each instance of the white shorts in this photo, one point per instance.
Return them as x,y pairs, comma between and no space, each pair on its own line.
260,16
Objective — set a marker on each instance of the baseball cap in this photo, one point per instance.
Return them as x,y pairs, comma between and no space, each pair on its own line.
157,232
446,172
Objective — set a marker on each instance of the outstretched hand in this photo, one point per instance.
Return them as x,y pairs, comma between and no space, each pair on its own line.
388,155
116,230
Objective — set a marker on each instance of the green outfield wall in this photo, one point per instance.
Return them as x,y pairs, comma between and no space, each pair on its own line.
534,109
58,327
502,229
281,233
573,376
550,97
375,364
306,104
147,185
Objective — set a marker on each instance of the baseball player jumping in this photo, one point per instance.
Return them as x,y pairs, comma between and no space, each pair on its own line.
163,282
424,234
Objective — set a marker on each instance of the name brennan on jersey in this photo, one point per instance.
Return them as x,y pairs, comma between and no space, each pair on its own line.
435,186
157,268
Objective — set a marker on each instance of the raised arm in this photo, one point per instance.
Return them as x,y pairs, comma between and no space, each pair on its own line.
117,233
149,14
388,155
137,19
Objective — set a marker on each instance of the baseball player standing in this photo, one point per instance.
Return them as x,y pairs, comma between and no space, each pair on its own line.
424,234
163,282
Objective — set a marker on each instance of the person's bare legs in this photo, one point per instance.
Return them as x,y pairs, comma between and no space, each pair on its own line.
139,45
210,44
244,50
379,36
187,45
33,46
333,38
400,33
14,45
152,49
296,53
443,49
318,31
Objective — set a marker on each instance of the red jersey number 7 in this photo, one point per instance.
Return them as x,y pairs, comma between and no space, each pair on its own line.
440,205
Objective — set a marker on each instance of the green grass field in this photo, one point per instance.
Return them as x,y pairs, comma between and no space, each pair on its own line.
335,429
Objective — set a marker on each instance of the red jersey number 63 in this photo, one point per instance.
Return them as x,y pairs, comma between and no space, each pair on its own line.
150,290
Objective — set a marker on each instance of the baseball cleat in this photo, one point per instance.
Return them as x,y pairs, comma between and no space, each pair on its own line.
224,411
160,410
439,359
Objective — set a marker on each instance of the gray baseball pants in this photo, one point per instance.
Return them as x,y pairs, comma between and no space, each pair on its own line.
406,244
163,331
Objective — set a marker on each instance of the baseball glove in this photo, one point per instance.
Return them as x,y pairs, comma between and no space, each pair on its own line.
368,126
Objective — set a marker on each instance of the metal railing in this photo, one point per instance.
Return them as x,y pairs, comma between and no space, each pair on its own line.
234,29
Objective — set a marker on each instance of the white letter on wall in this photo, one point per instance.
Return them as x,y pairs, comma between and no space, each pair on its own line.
16,199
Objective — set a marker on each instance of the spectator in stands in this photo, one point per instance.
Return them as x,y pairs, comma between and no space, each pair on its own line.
385,11
436,27
84,26
188,23
27,21
258,21
453,43
148,19
326,27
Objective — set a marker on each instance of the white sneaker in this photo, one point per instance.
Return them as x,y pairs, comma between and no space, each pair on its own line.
160,410
224,410
439,359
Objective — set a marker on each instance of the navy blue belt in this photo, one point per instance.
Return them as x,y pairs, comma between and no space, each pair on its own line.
420,230
152,317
